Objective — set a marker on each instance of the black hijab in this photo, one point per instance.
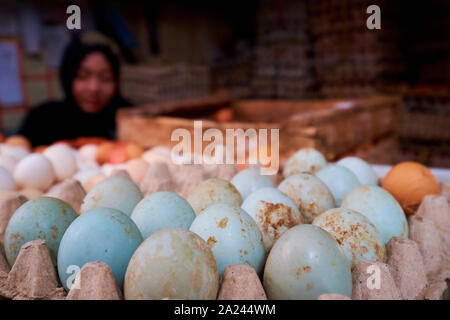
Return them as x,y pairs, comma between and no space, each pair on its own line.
64,120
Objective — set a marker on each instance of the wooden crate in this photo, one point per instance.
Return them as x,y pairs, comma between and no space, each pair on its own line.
332,126
384,150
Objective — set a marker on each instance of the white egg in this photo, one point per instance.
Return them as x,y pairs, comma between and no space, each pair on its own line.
108,169
13,151
362,170
84,175
83,163
6,180
34,171
88,152
8,162
63,160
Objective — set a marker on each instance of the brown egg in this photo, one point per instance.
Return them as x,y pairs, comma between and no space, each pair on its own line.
409,182
134,150
18,141
224,115
103,152
119,153
40,149
81,141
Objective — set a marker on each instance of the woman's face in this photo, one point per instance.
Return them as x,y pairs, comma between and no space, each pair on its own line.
94,85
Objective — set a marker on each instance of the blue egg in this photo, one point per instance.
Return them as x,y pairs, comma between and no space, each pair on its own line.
357,236
43,218
381,208
304,263
115,192
273,212
162,210
339,180
173,264
232,235
102,234
250,180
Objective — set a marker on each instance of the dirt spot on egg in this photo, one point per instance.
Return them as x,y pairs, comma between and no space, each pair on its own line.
222,223
211,242
112,216
275,216
54,232
15,236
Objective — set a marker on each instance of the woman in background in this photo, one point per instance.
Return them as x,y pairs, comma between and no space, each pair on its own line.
89,76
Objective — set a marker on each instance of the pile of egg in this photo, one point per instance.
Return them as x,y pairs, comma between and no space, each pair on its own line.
302,236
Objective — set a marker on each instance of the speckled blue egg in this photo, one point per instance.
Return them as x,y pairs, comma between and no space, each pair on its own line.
213,191
381,208
115,192
273,212
304,263
311,196
43,218
172,264
232,235
339,180
304,160
357,236
162,210
249,180
102,234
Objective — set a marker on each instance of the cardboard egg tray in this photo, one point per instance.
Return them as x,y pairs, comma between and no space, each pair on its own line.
417,268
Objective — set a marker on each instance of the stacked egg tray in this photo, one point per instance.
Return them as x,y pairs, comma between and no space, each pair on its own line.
283,64
171,226
426,113
152,84
351,60
233,74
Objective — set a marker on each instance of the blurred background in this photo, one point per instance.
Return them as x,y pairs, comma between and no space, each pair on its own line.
310,64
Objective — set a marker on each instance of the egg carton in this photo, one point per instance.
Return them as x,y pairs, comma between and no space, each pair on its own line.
33,277
416,268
